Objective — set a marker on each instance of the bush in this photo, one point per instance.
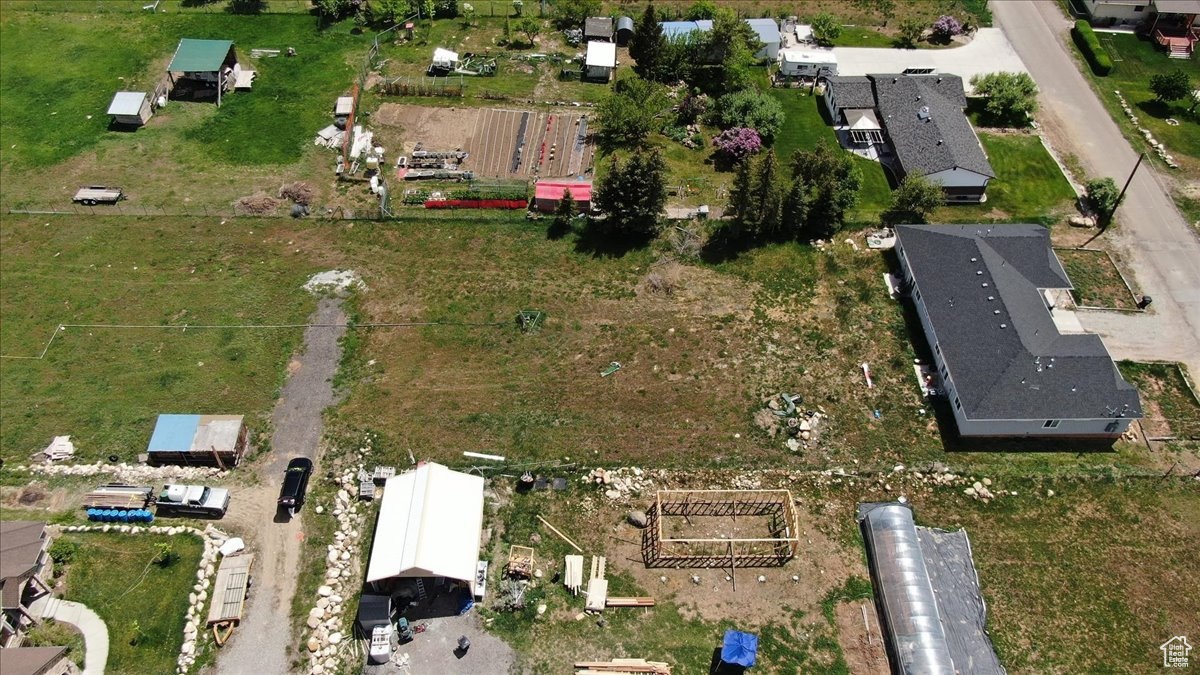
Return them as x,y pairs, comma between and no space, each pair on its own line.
1085,38
445,9
1101,195
826,28
737,143
749,108
945,28
63,551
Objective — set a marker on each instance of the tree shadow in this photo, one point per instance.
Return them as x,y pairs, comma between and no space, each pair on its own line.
726,242
599,239
197,3
246,7
1155,108
558,230
718,667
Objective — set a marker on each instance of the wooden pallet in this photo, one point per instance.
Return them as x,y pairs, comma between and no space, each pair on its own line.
640,601
624,666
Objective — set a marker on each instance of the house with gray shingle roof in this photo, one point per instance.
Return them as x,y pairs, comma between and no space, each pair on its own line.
921,118
1003,363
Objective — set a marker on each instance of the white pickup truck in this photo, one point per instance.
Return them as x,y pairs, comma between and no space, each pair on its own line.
198,500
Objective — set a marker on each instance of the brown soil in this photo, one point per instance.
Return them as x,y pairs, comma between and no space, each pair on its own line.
820,565
257,204
862,646
490,136
298,192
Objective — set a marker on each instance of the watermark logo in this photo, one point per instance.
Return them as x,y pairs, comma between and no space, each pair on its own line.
1175,652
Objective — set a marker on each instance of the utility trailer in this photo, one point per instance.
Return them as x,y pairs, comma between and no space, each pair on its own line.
229,595
118,496
92,195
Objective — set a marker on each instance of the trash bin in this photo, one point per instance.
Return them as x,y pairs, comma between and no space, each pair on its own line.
1144,301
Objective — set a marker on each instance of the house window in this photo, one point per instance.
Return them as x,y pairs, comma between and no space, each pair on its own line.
1050,424
938,348
1139,8
957,404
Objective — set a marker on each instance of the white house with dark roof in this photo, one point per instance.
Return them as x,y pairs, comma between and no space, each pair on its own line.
1005,367
920,119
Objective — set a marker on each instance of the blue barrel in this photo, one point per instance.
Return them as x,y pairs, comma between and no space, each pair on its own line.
110,515
123,516
149,517
91,514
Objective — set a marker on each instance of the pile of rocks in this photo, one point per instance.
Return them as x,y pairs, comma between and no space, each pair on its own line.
620,483
131,473
212,538
1159,148
979,490
326,641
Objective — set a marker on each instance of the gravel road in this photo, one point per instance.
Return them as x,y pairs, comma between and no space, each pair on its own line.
263,644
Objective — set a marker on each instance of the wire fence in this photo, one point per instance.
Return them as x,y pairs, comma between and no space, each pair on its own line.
169,6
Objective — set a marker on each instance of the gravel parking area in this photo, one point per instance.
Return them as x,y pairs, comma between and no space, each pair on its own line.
433,652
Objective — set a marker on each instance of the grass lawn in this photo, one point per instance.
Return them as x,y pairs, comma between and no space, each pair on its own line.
1136,60
803,127
1029,186
57,136
1097,281
105,387
114,576
1171,408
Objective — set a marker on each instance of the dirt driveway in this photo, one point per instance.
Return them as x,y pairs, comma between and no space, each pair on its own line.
264,643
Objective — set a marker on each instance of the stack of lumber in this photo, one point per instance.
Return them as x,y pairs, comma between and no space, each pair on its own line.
118,497
59,449
639,601
623,667
597,588
573,578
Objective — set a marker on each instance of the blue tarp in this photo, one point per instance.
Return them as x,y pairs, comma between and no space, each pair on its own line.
739,649
174,433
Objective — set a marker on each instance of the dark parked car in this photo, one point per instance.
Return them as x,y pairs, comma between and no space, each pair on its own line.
295,484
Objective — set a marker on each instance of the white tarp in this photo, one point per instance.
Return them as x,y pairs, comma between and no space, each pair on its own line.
430,520
601,55
444,58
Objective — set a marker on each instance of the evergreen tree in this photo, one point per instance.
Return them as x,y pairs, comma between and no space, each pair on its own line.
647,46
833,184
632,195
767,196
795,209
739,193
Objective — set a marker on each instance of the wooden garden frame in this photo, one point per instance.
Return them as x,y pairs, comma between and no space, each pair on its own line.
775,505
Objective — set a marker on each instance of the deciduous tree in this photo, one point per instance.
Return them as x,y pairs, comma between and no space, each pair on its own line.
826,28
1011,97
1170,86
572,13
748,108
633,110
914,200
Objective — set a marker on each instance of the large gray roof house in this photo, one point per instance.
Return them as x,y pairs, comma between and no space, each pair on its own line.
921,118
1006,368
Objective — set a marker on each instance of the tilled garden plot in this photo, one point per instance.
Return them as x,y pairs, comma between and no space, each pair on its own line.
501,143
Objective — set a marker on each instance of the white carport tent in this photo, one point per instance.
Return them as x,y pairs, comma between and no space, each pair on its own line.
430,521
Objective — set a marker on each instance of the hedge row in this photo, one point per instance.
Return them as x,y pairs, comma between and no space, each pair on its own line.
1092,50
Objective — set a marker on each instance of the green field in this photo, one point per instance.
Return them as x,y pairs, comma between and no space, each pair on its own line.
143,604
1096,279
105,386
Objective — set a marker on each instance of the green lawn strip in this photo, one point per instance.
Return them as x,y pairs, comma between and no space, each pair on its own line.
55,108
1029,186
1097,281
1163,384
1136,60
106,386
143,604
51,633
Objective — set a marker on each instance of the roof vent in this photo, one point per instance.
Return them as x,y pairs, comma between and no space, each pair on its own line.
995,311
1003,325
939,143
985,285
923,113
991,298
978,272
974,259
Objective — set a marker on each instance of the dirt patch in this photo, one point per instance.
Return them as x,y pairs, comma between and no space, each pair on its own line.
801,584
31,495
859,634
298,192
500,143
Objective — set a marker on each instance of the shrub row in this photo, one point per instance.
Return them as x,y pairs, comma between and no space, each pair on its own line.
1093,51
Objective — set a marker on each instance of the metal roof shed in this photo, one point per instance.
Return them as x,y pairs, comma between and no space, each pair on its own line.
624,30
430,520
210,61
198,439
130,107
601,61
598,28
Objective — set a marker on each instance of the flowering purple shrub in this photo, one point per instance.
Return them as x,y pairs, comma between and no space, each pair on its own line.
738,142
945,28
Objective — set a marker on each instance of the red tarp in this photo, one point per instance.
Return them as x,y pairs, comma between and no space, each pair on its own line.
476,203
553,190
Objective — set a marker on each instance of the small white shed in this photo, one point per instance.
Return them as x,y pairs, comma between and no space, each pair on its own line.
444,59
807,63
601,61
768,33
131,108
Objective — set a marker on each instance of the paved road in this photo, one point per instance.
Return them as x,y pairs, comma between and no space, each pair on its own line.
95,633
987,52
263,644
1152,236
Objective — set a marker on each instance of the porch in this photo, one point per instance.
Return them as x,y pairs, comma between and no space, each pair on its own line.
1174,27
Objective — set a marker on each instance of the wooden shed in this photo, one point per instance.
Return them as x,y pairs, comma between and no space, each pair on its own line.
204,67
131,108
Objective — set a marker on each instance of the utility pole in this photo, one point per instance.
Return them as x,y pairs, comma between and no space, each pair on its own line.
1121,196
